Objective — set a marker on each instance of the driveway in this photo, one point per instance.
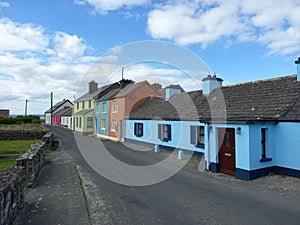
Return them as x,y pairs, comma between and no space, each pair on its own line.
188,197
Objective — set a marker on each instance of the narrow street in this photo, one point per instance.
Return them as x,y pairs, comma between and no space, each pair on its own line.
189,197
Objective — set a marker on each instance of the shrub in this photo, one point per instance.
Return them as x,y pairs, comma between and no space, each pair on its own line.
20,120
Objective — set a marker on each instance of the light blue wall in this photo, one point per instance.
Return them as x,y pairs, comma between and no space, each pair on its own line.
255,146
180,133
287,143
99,115
241,144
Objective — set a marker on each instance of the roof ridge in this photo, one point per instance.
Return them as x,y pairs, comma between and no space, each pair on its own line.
260,81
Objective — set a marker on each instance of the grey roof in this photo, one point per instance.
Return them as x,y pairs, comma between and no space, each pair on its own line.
265,100
83,112
88,95
109,94
155,108
129,88
57,105
64,112
179,107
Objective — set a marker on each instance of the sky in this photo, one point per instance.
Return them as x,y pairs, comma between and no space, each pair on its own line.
59,45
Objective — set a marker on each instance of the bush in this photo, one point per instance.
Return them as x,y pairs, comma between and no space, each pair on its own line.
20,120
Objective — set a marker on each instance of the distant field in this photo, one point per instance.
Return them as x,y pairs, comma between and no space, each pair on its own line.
5,163
21,127
15,146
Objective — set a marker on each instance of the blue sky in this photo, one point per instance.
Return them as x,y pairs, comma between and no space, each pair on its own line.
52,45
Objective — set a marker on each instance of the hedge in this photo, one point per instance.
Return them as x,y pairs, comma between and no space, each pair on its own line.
20,120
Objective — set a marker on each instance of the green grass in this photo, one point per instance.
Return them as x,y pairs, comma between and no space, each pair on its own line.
5,163
15,146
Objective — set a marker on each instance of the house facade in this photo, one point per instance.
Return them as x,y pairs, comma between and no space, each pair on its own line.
83,114
126,101
62,105
102,110
245,130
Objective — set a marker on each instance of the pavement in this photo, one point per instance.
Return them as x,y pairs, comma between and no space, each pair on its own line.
57,197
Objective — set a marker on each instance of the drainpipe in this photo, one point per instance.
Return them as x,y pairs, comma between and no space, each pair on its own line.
297,62
207,146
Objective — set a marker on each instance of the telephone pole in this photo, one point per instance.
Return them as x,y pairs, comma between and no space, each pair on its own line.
51,96
26,101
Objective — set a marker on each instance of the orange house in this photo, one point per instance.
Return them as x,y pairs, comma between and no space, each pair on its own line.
126,101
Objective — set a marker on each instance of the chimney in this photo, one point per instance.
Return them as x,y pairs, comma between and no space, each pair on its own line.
210,83
125,82
157,86
172,90
298,68
93,86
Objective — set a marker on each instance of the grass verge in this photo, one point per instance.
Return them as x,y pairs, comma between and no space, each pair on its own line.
16,146
5,163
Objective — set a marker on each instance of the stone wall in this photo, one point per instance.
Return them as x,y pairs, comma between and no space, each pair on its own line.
21,134
13,181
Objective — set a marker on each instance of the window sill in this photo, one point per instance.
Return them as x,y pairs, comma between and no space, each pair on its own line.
103,129
265,160
200,146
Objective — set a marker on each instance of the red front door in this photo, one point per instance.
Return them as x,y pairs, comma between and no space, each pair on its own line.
226,140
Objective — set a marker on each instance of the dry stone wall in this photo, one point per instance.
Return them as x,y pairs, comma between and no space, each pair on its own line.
21,134
13,181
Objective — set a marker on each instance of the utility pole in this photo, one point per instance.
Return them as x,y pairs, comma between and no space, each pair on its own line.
51,96
26,101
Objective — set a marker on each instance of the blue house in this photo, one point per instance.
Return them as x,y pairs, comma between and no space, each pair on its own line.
102,107
246,130
102,111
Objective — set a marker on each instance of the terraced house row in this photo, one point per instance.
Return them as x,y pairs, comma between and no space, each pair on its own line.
245,130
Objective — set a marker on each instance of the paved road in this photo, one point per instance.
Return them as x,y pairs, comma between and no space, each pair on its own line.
189,197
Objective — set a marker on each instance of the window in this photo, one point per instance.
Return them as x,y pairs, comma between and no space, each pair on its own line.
114,125
138,129
89,122
80,121
197,136
97,107
115,106
264,157
76,122
164,132
77,104
83,105
103,107
90,104
103,124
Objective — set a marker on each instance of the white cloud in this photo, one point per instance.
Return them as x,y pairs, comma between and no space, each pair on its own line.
103,6
68,47
272,23
33,64
21,37
4,4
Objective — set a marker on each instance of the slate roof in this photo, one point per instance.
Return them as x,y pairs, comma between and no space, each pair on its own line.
175,86
88,95
83,112
155,108
179,107
64,112
265,100
57,105
109,94
129,88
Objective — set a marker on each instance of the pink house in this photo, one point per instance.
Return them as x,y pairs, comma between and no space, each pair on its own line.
126,101
57,117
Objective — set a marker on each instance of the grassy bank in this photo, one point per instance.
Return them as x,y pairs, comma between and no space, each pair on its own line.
15,146
5,163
